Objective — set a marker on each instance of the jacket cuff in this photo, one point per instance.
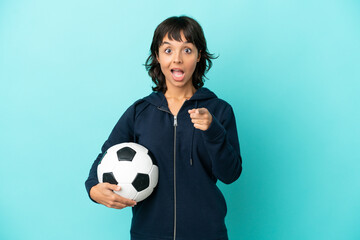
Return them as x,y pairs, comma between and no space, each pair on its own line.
89,185
215,131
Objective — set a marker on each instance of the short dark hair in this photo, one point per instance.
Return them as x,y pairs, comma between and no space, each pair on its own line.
194,34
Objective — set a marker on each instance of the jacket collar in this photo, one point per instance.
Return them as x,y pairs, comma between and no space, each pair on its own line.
158,98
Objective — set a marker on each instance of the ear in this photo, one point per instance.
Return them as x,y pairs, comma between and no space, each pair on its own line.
199,56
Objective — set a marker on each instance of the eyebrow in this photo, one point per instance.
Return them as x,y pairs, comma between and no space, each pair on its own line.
170,43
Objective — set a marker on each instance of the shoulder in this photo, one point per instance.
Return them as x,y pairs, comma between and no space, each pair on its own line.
153,99
221,103
215,102
138,107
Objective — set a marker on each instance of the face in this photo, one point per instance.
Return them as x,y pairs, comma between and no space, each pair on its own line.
178,62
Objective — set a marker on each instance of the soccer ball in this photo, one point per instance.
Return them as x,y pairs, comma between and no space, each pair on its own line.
130,166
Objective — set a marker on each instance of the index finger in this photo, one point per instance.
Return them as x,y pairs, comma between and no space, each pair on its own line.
125,201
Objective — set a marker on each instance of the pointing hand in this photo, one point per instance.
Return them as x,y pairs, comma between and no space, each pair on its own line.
201,118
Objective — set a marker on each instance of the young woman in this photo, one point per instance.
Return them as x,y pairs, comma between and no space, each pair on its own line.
192,135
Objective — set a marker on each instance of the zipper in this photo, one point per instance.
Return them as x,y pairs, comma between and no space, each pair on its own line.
175,125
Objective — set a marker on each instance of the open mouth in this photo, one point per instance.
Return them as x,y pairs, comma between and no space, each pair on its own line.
177,74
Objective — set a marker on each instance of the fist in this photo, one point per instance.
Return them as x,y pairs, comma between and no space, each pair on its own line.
201,118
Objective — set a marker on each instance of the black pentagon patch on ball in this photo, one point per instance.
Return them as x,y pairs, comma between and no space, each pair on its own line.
141,182
109,178
126,154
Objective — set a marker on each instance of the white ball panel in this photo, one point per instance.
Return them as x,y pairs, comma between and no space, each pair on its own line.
124,172
142,163
154,176
100,173
126,191
108,162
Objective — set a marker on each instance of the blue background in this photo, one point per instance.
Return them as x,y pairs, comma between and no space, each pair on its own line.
290,69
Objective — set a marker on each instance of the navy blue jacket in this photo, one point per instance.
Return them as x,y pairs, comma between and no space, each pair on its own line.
186,204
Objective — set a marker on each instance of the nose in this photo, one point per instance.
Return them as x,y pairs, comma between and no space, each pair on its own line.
177,57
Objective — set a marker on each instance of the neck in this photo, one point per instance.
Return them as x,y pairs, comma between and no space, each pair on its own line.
180,93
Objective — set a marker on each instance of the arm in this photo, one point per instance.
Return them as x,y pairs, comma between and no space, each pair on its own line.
103,192
220,136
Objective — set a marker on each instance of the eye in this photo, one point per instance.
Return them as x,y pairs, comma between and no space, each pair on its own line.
168,50
188,50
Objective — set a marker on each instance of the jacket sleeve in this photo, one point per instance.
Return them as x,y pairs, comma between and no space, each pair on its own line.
122,132
222,143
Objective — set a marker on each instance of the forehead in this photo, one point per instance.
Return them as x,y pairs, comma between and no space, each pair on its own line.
175,39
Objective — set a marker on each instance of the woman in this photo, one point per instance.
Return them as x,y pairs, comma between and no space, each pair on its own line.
192,135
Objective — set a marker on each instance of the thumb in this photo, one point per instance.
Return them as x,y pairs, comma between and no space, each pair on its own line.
202,110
